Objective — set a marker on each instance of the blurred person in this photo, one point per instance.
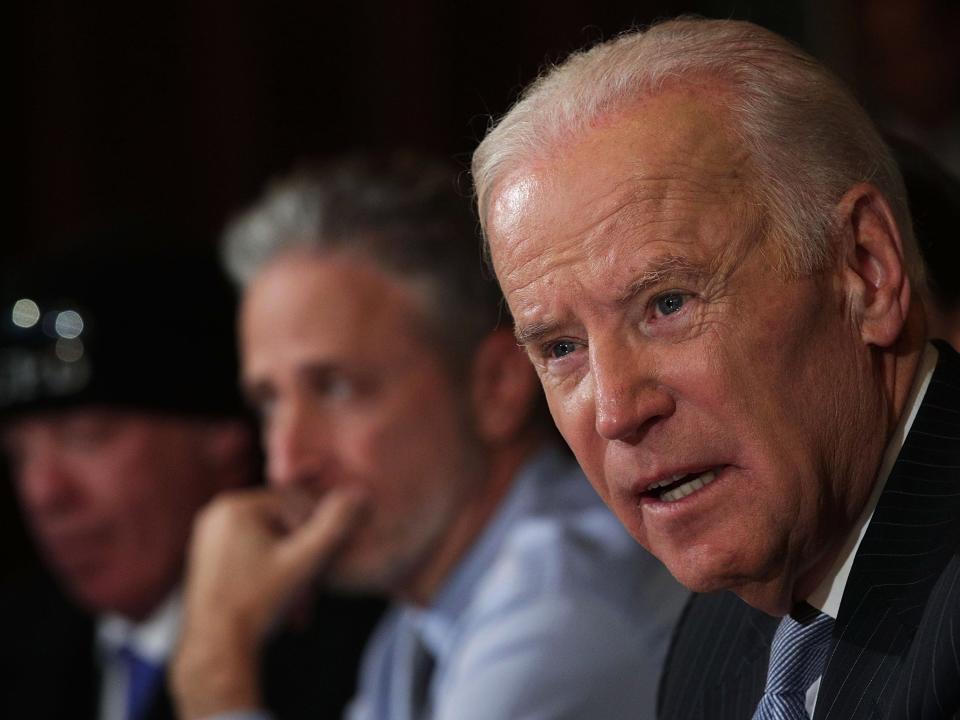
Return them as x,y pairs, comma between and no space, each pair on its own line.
934,195
121,418
407,457
708,255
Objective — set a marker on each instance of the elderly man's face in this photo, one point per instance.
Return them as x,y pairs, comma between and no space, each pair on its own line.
111,496
711,401
353,395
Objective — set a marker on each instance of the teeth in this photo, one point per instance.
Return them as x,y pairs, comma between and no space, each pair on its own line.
688,487
662,483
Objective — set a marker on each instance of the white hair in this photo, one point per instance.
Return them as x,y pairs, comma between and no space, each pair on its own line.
807,138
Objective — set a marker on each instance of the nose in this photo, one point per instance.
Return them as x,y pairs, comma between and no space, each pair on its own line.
296,446
628,397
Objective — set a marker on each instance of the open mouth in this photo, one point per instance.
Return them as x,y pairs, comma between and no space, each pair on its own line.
679,486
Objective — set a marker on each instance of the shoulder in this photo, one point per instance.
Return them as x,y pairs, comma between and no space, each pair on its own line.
929,677
568,547
571,619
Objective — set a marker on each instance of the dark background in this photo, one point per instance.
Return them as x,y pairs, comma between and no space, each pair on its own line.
181,111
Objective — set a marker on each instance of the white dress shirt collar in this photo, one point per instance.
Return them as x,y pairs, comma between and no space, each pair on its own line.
152,639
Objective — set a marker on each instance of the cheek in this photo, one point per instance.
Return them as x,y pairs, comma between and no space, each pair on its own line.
573,414
731,388
575,420
388,450
358,448
156,511
155,529
379,438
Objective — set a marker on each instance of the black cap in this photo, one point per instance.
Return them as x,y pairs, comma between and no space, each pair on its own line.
117,324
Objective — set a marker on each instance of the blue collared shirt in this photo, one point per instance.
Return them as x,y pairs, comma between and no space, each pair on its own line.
555,612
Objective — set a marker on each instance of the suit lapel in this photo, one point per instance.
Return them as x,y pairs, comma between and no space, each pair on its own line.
744,672
723,678
901,557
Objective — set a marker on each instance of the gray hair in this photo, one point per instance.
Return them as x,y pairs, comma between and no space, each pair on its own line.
403,212
807,138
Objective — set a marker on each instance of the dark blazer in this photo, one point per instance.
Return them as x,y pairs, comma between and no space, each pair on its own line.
895,649
48,672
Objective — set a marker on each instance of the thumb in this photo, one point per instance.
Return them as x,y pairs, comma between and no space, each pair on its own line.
312,544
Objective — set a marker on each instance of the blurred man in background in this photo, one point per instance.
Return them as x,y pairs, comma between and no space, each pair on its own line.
409,455
121,419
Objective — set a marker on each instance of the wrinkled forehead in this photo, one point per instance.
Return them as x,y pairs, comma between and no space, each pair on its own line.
669,167
309,308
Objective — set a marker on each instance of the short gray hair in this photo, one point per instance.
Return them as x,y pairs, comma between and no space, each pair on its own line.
808,139
402,211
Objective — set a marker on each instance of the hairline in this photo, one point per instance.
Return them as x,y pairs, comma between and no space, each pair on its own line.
800,230
428,324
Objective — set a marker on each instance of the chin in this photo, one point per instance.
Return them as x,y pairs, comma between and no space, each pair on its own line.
123,593
706,570
353,573
769,594
698,581
110,600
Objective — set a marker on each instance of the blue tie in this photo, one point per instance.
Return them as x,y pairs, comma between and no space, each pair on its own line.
143,680
796,659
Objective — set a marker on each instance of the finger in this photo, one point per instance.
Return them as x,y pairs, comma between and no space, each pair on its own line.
236,512
315,542
297,506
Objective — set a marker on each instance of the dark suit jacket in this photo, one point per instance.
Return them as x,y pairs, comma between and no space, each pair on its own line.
895,649
47,668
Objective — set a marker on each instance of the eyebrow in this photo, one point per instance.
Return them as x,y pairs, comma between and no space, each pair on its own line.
662,268
534,333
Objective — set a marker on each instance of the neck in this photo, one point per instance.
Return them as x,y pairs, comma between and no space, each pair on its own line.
477,509
900,364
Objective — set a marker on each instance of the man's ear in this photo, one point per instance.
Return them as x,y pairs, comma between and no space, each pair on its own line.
873,272
504,387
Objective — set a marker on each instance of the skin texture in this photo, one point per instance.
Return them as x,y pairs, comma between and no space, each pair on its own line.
635,264
111,495
383,467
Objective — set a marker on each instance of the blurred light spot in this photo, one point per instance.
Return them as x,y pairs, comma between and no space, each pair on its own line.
69,350
26,313
69,324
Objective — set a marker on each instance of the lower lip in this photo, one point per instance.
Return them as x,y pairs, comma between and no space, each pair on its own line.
654,505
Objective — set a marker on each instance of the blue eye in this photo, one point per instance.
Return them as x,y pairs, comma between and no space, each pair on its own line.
670,303
562,348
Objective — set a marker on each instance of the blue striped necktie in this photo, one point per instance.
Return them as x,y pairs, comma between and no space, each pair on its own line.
796,659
